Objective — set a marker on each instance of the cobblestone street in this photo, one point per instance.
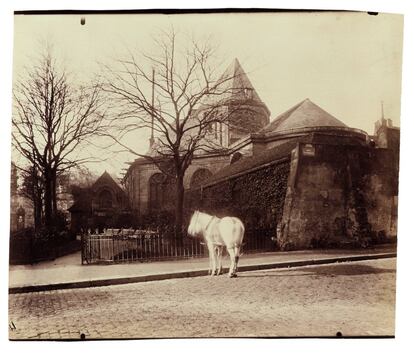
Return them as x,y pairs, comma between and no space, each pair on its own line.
353,298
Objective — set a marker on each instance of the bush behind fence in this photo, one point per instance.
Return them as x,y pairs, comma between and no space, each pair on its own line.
27,246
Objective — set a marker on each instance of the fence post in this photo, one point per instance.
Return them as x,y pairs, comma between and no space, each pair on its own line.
31,246
82,248
113,249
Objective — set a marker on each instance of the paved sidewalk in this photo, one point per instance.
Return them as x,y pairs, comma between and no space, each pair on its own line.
67,272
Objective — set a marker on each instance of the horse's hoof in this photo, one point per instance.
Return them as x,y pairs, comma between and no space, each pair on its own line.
233,275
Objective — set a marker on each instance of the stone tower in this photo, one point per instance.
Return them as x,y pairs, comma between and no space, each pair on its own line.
246,111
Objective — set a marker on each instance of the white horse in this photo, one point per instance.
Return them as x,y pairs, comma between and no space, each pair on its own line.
217,233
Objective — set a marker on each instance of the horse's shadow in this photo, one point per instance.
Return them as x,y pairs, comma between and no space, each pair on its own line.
328,271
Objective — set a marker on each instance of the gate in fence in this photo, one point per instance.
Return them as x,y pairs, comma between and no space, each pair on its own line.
116,246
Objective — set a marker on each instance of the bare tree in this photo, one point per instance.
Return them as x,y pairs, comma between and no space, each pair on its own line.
52,117
177,94
33,189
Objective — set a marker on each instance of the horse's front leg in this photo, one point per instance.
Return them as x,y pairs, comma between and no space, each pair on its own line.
212,256
219,259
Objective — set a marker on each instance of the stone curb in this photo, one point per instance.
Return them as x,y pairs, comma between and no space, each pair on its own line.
193,273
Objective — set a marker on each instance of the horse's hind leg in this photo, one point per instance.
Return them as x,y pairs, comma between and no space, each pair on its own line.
232,262
219,259
236,258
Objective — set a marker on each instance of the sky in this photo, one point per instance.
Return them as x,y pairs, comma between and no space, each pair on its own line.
346,62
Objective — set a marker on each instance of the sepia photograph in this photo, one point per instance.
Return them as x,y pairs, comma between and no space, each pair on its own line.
204,174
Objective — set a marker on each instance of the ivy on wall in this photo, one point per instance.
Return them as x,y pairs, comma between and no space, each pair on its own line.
257,198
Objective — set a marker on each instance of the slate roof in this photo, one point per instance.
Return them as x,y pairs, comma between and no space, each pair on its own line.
107,178
303,114
238,86
240,78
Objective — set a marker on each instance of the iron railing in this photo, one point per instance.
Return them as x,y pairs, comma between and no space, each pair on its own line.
117,246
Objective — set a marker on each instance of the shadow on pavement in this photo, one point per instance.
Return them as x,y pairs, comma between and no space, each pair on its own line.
326,270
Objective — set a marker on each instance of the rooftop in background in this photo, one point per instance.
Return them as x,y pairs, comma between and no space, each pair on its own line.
108,179
302,115
239,85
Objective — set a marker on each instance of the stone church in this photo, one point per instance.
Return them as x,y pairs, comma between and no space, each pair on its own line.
304,176
147,187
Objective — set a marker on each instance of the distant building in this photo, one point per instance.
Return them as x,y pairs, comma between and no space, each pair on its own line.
388,136
102,205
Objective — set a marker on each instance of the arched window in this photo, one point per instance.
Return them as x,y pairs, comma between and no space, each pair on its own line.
105,199
156,190
161,192
200,176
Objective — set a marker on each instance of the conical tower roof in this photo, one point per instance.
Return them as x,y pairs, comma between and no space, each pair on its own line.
302,115
239,79
236,86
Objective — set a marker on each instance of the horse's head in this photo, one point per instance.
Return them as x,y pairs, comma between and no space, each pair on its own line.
194,227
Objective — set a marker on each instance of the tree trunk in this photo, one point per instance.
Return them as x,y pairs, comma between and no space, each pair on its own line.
36,193
38,214
48,196
179,208
54,198
37,202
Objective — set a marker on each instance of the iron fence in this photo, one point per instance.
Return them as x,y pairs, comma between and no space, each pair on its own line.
259,240
117,246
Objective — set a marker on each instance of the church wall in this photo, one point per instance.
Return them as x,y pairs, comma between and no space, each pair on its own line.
339,196
140,174
142,190
213,164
